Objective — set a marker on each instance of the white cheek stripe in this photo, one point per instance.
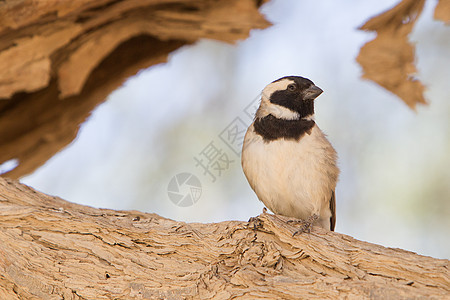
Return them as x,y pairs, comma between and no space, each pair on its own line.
282,112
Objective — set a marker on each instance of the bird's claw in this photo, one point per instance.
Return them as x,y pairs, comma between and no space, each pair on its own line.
256,222
306,224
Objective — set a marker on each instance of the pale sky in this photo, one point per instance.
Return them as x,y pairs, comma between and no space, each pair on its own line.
394,185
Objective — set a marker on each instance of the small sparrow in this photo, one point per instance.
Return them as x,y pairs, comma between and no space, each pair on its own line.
287,159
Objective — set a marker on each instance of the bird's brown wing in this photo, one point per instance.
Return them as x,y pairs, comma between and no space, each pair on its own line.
333,211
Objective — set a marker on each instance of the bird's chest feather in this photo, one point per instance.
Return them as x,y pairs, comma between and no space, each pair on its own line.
292,177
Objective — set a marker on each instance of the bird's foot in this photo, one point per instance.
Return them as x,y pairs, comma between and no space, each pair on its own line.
306,225
255,222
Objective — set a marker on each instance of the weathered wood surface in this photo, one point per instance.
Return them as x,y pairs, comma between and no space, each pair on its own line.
59,59
53,249
389,59
442,11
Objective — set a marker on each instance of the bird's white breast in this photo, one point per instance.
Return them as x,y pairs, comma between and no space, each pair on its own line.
292,178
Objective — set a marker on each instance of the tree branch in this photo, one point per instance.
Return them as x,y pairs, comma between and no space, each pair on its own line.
53,248
60,59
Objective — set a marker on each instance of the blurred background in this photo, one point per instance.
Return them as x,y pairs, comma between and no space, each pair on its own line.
394,187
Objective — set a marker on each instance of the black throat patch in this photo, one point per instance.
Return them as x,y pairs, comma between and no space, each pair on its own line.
271,128
294,102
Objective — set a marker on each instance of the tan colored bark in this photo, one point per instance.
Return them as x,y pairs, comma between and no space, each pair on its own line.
53,249
388,60
59,59
442,11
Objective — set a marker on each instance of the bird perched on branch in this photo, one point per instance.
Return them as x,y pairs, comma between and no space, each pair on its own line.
287,159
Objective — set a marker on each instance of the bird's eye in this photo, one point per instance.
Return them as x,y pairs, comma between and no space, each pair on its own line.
292,87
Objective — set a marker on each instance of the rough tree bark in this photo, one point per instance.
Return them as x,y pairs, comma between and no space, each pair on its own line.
389,59
59,59
53,249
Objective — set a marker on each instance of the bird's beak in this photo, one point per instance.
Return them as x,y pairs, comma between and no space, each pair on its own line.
312,93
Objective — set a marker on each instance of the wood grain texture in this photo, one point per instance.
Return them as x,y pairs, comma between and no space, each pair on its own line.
442,11
53,249
389,59
59,59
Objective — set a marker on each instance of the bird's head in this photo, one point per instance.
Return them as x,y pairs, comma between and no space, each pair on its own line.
290,98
